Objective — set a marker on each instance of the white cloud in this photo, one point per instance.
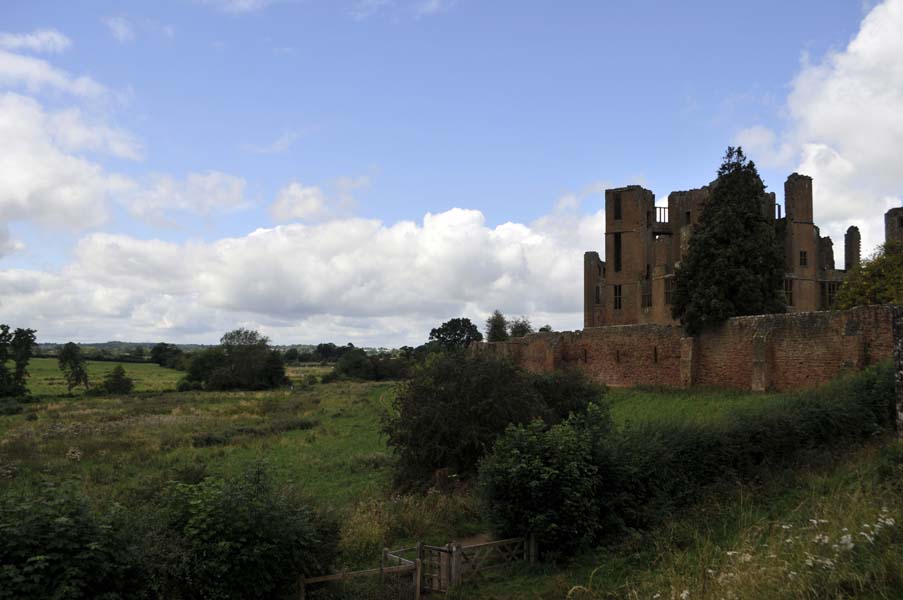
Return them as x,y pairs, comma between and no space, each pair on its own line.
846,128
39,40
120,28
363,9
351,279
278,146
425,8
297,202
72,132
198,193
39,180
35,74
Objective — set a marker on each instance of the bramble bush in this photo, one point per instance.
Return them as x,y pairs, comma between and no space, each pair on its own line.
640,475
239,538
53,546
224,539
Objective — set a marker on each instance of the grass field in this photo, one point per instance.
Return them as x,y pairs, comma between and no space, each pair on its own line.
642,405
46,379
324,439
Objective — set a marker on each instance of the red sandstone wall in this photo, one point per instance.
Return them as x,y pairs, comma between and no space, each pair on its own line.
785,352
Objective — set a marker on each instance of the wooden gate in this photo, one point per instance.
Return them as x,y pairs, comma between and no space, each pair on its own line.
437,567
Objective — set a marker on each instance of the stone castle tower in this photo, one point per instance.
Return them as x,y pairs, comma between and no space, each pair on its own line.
644,242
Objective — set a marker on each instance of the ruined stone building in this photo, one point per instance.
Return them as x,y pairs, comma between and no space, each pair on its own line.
644,242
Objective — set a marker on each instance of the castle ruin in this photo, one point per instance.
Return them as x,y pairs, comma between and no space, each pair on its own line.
644,243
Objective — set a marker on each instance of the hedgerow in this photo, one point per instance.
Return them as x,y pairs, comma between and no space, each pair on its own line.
641,474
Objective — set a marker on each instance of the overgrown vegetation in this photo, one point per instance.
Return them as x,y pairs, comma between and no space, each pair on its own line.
876,280
456,404
638,476
236,538
734,265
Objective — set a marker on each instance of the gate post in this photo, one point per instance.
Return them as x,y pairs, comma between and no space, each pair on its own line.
418,576
301,586
897,329
531,545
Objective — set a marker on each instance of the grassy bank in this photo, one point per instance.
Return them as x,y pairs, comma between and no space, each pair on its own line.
830,527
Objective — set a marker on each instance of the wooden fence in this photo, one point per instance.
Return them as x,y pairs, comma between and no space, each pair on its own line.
439,568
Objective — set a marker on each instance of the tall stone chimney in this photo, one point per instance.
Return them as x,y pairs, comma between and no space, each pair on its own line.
852,243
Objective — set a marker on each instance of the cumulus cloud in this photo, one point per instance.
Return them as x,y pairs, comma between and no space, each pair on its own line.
298,202
846,128
348,279
120,28
41,181
39,40
35,74
197,193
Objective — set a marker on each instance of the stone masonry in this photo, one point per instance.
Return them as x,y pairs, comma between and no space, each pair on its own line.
768,352
644,243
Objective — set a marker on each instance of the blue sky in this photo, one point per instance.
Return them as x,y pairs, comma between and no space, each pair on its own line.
343,121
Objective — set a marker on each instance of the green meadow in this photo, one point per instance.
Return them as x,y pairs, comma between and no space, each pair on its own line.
323,439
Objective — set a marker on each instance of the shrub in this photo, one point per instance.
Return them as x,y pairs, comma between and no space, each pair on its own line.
53,546
542,481
453,408
643,474
115,382
567,391
239,538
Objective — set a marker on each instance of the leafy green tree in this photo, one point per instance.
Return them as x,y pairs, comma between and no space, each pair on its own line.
520,327
456,334
877,280
243,360
546,328
452,409
292,355
496,327
734,265
168,355
18,347
116,382
73,365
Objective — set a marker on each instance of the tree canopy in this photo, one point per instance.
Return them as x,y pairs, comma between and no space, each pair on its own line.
520,327
18,347
73,365
877,280
456,334
496,327
733,265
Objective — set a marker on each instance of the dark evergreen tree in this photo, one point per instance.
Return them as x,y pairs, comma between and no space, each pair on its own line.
456,334
496,327
116,381
733,265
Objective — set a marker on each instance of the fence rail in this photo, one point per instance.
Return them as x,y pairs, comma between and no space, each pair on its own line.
439,568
